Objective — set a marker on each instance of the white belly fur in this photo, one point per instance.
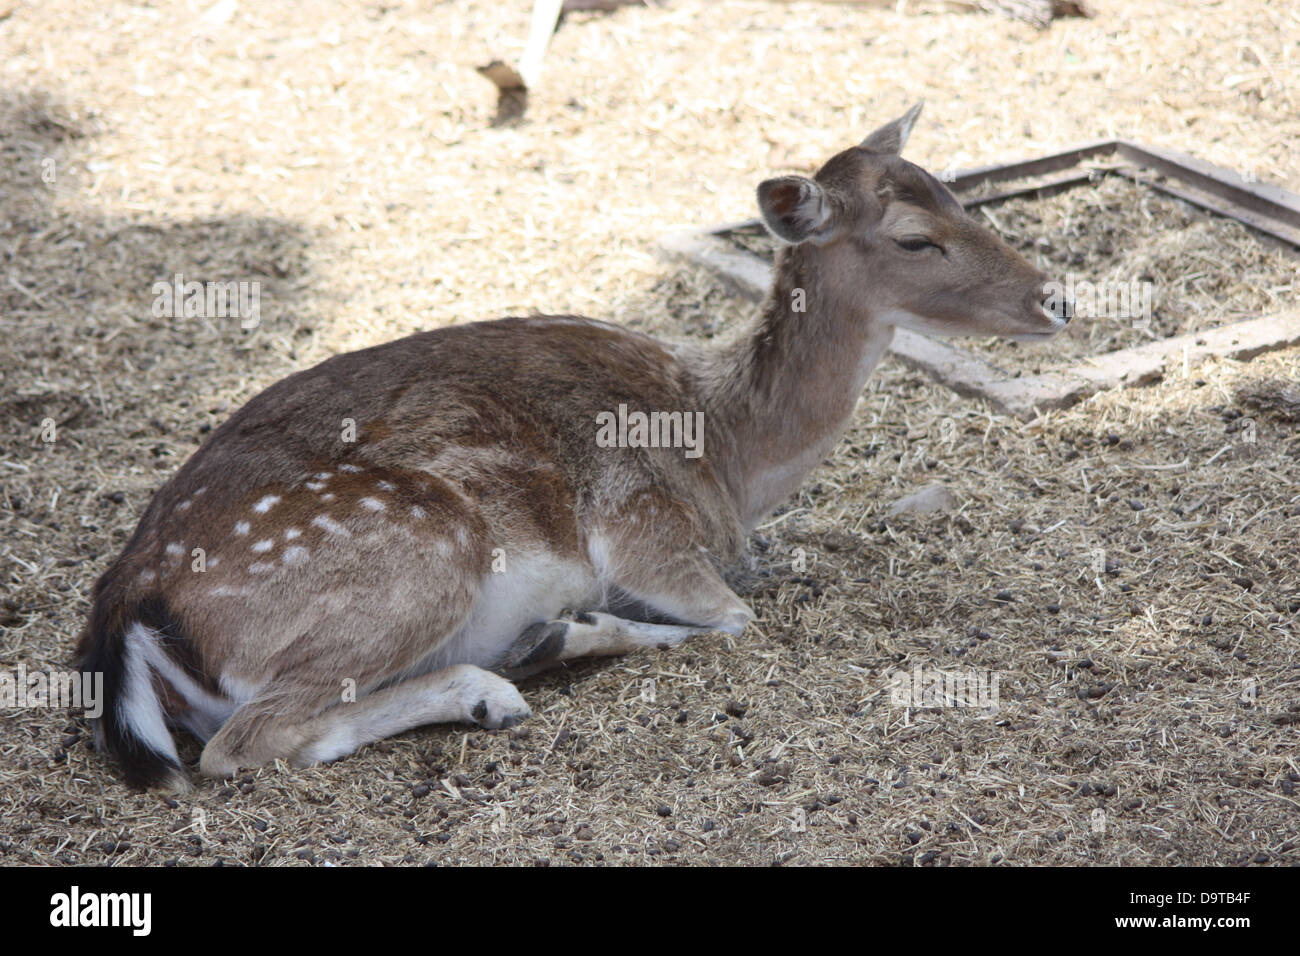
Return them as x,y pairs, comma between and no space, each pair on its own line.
531,588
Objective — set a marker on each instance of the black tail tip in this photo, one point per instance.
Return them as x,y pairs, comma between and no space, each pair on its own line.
145,769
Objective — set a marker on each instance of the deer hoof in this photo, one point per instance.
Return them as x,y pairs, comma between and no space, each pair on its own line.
497,704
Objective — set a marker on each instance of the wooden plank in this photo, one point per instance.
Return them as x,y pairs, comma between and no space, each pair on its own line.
1271,201
1055,162
1047,186
546,14
1262,222
1143,364
962,371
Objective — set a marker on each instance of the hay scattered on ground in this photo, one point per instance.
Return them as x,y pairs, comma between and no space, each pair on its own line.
347,160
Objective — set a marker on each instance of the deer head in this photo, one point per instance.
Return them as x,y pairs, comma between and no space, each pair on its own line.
896,246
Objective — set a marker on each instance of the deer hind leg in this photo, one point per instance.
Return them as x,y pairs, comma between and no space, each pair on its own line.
459,694
357,593
588,634
689,593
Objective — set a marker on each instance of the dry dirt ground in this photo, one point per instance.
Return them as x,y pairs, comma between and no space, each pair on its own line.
1128,568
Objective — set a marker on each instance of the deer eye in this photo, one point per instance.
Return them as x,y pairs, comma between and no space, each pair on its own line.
917,243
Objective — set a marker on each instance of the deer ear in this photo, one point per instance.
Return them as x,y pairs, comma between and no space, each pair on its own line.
892,137
795,209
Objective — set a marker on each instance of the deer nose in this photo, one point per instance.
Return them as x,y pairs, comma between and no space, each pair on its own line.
1057,303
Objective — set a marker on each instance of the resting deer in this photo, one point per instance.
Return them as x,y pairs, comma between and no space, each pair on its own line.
476,530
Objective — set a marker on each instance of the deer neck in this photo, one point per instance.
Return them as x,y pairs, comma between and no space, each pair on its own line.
785,390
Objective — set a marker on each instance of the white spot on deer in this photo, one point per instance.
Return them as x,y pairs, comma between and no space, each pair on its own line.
324,475
386,486
462,536
315,485
175,549
213,562
184,505
200,491
349,468
263,506
147,575
326,523
225,590
418,512
373,504
263,546
260,567
292,533
241,529
327,498
295,555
